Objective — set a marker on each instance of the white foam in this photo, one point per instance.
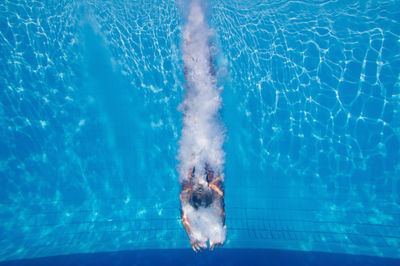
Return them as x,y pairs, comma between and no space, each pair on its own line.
202,132
206,224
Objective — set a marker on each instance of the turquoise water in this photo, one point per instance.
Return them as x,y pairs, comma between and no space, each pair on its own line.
89,126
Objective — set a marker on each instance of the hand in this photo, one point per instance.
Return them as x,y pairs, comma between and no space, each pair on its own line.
215,244
198,246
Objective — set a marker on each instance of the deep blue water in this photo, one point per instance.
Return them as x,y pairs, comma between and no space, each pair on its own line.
90,129
221,257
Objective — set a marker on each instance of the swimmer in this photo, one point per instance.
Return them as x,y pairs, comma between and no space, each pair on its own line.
203,195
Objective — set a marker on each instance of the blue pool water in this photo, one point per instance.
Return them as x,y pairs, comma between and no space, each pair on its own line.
90,129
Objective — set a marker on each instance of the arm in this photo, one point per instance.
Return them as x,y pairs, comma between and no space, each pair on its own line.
186,192
219,200
185,197
215,183
218,194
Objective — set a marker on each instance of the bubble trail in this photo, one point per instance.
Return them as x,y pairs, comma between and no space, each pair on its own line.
201,155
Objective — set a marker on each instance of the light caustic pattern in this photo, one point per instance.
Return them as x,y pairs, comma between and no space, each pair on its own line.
89,126
202,133
318,84
73,77
312,115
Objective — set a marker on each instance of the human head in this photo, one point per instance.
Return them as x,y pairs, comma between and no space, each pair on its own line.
201,196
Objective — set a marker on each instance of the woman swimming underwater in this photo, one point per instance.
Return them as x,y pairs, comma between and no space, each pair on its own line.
200,153
203,197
